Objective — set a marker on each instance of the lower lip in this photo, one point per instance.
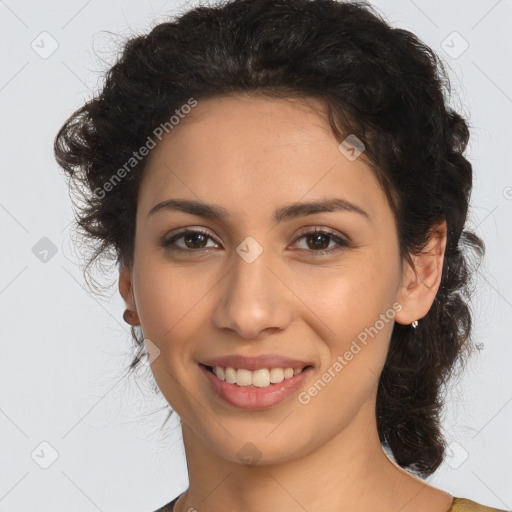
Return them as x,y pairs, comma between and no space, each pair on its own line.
256,398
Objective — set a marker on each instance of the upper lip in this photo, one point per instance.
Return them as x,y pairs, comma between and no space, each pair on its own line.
255,363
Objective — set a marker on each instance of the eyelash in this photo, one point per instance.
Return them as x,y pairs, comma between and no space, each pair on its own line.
166,243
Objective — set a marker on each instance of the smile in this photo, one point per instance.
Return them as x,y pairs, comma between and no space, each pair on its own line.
247,393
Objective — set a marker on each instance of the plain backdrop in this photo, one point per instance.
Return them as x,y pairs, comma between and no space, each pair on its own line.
76,435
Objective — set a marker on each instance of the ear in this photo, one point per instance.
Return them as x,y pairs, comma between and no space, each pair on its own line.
421,283
126,291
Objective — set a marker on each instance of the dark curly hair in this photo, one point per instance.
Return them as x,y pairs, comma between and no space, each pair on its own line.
381,84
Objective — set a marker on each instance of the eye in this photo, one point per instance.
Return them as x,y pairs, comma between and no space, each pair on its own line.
318,238
194,240
191,237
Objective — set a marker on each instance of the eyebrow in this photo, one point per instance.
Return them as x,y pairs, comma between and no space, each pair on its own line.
287,212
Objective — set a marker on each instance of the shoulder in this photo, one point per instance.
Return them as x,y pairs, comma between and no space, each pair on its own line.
169,507
467,505
166,508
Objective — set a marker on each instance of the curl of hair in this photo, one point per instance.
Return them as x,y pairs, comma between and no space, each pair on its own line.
379,83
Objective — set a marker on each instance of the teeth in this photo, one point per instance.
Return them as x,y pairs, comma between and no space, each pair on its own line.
244,377
276,375
261,378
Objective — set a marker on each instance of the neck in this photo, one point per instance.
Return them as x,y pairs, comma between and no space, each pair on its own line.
348,472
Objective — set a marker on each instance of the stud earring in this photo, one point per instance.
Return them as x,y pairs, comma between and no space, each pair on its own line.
128,317
415,324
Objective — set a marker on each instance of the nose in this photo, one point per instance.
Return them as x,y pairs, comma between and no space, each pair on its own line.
253,299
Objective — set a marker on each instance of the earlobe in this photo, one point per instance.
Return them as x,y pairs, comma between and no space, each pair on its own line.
421,282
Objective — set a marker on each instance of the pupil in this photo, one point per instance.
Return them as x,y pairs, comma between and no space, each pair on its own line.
318,238
190,239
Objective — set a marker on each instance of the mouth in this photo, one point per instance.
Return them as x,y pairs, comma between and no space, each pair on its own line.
254,390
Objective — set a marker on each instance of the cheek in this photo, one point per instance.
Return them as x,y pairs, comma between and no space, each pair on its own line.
168,291
350,296
356,303
358,312
171,310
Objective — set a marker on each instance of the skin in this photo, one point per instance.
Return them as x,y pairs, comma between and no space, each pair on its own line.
252,155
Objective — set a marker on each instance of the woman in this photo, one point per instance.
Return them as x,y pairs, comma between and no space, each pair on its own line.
285,190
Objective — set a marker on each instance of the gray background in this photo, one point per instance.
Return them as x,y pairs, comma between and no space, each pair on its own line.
63,349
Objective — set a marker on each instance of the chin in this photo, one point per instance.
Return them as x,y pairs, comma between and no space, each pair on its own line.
261,448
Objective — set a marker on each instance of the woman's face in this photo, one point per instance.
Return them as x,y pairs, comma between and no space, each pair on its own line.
254,283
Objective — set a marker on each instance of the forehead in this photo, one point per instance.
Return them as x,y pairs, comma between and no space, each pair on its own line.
255,150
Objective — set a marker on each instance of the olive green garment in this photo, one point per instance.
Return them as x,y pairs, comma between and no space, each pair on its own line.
465,505
458,505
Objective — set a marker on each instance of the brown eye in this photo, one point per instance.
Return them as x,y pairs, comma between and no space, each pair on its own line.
193,240
318,241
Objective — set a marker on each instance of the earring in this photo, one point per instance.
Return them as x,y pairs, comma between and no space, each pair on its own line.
415,324
127,316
